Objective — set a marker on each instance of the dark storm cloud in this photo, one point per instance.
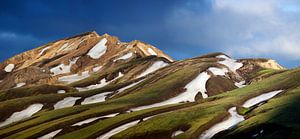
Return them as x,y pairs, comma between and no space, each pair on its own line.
181,28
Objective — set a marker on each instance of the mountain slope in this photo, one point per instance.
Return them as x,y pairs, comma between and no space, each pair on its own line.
134,90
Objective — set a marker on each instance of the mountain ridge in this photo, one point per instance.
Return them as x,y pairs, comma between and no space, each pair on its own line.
92,86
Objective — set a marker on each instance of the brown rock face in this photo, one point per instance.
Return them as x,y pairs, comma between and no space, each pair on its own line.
46,64
264,63
219,84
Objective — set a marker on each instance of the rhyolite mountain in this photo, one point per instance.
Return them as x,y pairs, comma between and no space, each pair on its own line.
92,86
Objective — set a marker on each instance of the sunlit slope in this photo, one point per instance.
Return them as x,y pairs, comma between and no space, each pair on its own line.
148,95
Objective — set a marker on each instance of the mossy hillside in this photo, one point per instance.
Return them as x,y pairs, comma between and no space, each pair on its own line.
104,126
9,106
33,91
140,98
162,88
191,117
263,73
278,118
224,100
17,99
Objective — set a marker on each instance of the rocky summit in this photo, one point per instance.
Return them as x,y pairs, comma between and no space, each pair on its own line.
97,87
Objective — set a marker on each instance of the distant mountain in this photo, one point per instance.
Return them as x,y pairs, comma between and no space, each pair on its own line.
92,86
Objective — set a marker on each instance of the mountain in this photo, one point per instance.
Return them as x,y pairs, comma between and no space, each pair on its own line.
92,86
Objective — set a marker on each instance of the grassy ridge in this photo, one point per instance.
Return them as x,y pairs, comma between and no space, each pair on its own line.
221,103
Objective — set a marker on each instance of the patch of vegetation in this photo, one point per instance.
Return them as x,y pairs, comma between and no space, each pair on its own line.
276,119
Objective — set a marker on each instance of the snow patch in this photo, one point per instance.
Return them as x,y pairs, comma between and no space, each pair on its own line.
263,97
95,98
98,50
66,102
95,69
45,49
124,57
102,83
234,119
61,91
240,84
151,51
64,46
20,85
170,59
192,89
50,135
230,63
147,118
118,130
176,133
218,71
62,69
18,116
73,78
94,119
155,66
9,67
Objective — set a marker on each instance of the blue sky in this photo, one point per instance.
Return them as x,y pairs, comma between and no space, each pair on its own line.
181,28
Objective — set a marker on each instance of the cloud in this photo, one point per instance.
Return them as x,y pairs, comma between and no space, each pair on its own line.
183,29
257,7
243,28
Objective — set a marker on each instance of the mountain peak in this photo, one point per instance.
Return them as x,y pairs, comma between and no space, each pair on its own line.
76,54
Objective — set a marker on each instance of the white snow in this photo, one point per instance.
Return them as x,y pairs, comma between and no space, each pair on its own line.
94,119
50,135
45,49
234,119
260,132
95,69
62,69
18,116
102,83
61,91
98,50
66,102
177,133
20,85
129,46
9,67
170,59
65,45
218,71
240,84
151,51
86,121
230,63
192,89
95,98
147,118
118,130
155,66
73,78
124,57
94,86
258,99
